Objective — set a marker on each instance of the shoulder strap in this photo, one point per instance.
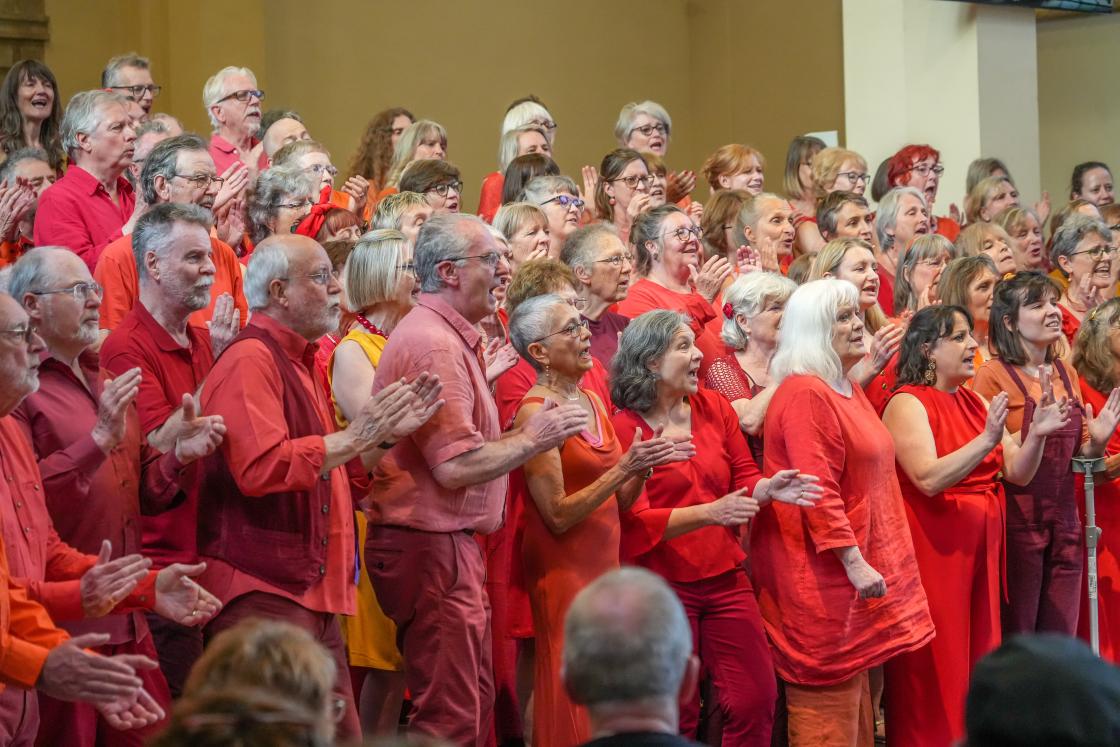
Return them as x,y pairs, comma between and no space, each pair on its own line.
1015,377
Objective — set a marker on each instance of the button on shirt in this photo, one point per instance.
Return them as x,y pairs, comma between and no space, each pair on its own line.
77,212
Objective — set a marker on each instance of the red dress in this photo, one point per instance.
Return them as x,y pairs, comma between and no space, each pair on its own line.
557,567
821,632
958,542
1070,323
646,295
490,196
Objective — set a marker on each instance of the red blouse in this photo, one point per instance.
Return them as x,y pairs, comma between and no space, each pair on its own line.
646,295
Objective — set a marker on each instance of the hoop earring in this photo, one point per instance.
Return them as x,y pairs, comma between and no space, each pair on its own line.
930,375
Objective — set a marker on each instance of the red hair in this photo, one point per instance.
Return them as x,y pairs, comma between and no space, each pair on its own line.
901,163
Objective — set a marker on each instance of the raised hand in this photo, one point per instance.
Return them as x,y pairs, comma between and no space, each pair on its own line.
1104,424
696,211
224,324
134,712
1093,295
790,486
768,251
955,214
590,177
637,206
116,396
708,280
180,599
424,404
885,344
108,582
642,456
230,222
70,673
380,414
357,187
732,509
1042,208
236,181
678,185
199,435
748,260
997,419
553,424
499,357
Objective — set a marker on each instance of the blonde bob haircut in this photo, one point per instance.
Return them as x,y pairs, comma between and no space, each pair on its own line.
720,212
411,138
373,269
511,217
632,110
980,195
508,145
392,208
1092,348
730,160
970,242
827,165
826,264
805,342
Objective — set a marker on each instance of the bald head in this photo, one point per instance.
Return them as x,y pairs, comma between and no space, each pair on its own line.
19,355
290,278
283,131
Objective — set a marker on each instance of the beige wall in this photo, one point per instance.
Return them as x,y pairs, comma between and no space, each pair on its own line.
1079,111
721,67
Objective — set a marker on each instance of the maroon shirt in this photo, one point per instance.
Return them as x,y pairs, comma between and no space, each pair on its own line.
92,496
169,371
77,212
604,335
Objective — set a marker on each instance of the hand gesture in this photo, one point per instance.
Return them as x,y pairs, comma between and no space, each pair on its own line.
134,712
997,419
230,222
424,404
679,184
638,204
116,396
180,599
732,509
224,323
1093,295
70,673
15,203
199,435
1104,424
868,581
748,260
642,456
380,414
696,211
553,424
236,181
590,183
885,344
955,213
1042,208
708,281
790,486
108,582
499,357
357,187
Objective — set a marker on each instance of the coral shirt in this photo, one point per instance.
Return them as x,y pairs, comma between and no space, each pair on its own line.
646,295
225,154
77,212
821,632
721,465
490,196
886,290
117,273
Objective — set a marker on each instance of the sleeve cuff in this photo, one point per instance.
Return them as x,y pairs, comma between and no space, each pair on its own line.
62,599
23,662
87,455
143,597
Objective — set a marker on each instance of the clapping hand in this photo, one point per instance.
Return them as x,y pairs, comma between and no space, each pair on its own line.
499,357
357,187
108,582
224,323
708,280
133,712
425,402
997,419
885,344
1051,415
679,184
199,436
1104,424
116,396
790,486
180,599
642,456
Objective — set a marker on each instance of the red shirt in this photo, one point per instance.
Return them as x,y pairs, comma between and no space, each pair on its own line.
722,464
490,196
168,372
886,291
646,295
245,389
947,227
1070,323
77,212
117,273
225,154
92,496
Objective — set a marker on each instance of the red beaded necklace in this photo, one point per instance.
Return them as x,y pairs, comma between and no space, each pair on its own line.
370,326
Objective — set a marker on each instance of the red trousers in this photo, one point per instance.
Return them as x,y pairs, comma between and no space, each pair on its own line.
19,717
432,586
1044,566
65,724
728,637
322,626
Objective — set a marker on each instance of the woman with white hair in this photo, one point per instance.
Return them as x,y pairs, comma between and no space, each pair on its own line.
278,200
752,314
646,127
838,586
527,128
902,216
687,524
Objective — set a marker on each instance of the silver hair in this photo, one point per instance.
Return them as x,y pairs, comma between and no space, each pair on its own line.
633,109
929,246
532,320
215,89
805,343
748,296
34,271
158,126
1075,228
441,238
508,145
84,114
163,160
886,216
110,75
8,170
626,638
271,188
644,341
541,188
153,232
583,244
5,279
268,262
524,114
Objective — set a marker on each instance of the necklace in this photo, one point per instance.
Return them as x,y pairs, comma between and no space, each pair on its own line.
565,395
371,327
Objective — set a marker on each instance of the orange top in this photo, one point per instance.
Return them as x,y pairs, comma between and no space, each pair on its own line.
371,203
490,196
10,251
992,378
116,271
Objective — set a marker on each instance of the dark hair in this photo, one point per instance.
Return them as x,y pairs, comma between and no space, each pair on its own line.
647,228
1019,290
1079,172
830,205
799,147
422,175
614,163
374,157
926,327
523,170
721,210
163,160
644,341
881,183
11,121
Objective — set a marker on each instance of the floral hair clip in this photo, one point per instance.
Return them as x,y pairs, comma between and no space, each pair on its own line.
728,311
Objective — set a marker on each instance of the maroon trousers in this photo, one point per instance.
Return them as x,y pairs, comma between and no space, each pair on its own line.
432,586
19,717
178,647
728,637
322,626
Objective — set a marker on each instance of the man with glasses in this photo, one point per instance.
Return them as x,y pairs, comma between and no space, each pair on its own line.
233,103
603,266
438,180
97,473
88,207
179,170
447,481
131,75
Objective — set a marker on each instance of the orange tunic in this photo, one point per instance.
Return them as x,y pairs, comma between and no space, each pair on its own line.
646,295
821,632
371,203
557,567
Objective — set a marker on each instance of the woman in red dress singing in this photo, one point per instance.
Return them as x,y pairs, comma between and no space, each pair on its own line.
838,586
571,523
684,526
951,447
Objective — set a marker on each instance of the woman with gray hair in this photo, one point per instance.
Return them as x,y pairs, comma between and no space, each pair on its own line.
519,140
559,198
278,200
687,524
919,268
902,216
752,314
817,570
575,494
646,127
1082,251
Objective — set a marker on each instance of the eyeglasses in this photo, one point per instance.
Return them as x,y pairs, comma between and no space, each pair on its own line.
202,180
322,277
573,330
633,181
545,124
305,203
23,334
683,234
443,189
491,259
80,291
566,201
1096,252
319,168
854,177
617,260
924,170
938,262
243,96
648,130
137,92
408,267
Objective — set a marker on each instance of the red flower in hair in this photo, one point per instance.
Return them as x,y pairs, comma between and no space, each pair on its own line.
728,311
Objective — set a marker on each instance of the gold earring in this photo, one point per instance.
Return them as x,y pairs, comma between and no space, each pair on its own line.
930,374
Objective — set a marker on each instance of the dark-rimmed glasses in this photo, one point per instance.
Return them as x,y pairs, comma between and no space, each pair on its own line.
243,96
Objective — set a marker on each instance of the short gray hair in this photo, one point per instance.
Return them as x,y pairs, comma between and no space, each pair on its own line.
583,244
508,145
531,321
83,115
626,638
270,189
33,271
886,217
805,343
929,246
268,262
644,341
164,161
214,89
154,227
8,170
441,238
748,296
632,110
1073,232
541,188
110,75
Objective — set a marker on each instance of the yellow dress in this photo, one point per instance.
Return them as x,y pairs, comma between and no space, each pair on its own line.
371,637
